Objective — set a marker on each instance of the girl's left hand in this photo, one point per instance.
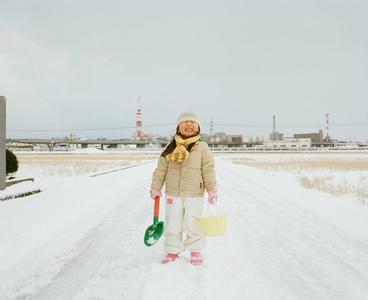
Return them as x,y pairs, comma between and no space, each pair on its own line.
212,196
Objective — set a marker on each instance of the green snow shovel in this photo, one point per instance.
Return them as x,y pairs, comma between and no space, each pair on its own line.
155,231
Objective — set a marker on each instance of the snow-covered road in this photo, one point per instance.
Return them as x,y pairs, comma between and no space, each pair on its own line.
83,239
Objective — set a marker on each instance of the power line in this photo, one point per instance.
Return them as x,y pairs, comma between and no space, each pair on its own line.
286,125
246,125
88,129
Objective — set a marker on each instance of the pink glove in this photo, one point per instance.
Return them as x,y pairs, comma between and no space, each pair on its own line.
154,193
212,196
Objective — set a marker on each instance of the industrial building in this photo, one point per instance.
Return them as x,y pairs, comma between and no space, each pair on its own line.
288,143
299,140
316,137
221,139
276,136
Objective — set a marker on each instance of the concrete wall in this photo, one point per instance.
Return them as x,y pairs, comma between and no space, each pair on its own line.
2,143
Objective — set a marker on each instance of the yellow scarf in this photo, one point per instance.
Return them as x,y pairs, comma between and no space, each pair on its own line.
181,153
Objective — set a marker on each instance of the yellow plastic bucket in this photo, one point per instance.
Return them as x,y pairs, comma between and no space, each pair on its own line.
213,225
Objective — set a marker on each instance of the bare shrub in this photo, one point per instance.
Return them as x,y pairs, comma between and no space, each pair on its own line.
294,165
341,188
324,183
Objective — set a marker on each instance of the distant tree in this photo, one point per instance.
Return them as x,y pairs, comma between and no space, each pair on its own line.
11,162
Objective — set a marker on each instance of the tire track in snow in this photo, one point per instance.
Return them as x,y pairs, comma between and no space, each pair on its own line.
179,280
123,168
111,259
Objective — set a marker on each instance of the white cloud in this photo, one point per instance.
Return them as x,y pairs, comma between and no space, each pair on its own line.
24,64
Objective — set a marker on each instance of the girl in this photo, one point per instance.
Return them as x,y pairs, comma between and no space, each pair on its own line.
186,166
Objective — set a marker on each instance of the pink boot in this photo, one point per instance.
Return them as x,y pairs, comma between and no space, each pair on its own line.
169,257
196,258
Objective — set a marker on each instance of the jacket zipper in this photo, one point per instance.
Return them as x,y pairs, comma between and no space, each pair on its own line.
181,165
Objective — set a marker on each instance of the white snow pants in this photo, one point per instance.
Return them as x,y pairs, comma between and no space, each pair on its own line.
179,220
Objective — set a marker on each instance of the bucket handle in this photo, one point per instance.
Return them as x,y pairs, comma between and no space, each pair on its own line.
207,209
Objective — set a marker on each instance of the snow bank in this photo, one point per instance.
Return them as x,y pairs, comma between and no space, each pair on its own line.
18,190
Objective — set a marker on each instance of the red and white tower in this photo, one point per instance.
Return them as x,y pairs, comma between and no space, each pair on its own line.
327,137
138,121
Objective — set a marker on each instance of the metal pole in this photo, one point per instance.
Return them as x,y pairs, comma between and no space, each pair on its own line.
2,143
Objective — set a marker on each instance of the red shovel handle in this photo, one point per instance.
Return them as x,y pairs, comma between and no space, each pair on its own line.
156,210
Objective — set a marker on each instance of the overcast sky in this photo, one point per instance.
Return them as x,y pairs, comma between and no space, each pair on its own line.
82,64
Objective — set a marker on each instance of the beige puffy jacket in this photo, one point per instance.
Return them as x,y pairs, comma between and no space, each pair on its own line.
189,178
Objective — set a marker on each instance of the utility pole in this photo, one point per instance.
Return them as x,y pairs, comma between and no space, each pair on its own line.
2,143
138,135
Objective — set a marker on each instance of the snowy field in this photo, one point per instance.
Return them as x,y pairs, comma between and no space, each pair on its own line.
341,174
76,163
82,236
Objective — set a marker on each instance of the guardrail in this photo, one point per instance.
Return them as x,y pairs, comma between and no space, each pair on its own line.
309,150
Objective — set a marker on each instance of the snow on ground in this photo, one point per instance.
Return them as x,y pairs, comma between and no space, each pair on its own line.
301,156
87,150
341,174
82,238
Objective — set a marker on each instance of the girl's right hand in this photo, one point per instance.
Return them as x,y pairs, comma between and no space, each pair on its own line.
154,193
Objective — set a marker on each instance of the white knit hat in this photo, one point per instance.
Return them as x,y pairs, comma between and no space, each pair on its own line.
188,116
